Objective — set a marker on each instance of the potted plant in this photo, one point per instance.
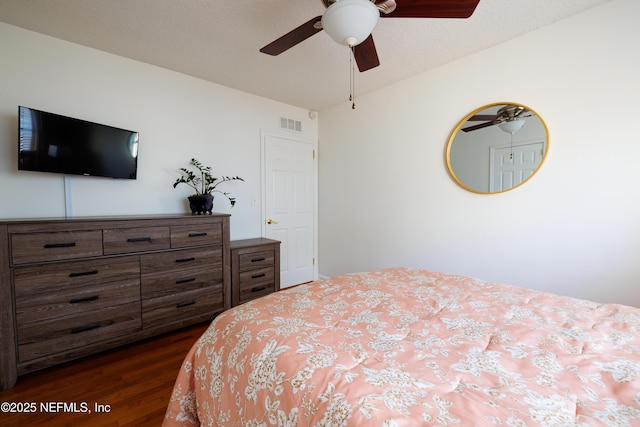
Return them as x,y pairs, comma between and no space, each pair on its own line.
204,184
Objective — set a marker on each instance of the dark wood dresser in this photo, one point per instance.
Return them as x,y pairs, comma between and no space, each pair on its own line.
74,287
255,269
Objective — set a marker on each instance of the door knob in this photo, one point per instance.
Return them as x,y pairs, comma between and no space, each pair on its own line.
270,221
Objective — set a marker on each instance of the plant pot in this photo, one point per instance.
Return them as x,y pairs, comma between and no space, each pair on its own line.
201,204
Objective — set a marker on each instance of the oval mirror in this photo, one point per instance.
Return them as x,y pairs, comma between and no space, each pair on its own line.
497,147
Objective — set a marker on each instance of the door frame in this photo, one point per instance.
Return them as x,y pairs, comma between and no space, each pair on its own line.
264,134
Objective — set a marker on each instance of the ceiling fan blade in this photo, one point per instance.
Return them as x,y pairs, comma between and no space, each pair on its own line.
433,9
482,118
481,125
366,55
293,37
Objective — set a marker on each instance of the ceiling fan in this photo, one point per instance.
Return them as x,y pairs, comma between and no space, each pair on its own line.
364,50
508,113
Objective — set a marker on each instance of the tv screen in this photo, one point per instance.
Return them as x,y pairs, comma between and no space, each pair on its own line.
52,143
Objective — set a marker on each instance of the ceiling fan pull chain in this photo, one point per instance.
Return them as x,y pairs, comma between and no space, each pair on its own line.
352,79
511,154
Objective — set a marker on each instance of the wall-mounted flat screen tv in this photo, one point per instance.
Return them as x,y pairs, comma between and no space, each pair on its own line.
53,143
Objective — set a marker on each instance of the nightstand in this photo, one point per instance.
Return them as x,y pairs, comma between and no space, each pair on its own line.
255,269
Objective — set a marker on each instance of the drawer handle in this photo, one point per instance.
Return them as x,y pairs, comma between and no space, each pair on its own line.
258,259
138,239
181,281
197,234
255,276
83,273
85,328
185,304
186,259
59,245
258,289
86,299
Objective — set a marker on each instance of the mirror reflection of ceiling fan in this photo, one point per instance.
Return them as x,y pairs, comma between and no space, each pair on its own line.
348,15
508,113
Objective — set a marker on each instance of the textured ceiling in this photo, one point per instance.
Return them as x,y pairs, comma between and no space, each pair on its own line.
219,40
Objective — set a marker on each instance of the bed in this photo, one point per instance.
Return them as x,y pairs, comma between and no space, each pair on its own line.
407,347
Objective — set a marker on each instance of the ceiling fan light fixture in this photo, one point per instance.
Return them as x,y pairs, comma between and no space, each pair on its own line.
350,22
512,126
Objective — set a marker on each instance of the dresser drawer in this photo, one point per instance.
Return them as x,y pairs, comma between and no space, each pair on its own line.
197,235
252,260
36,307
52,278
158,311
65,333
180,260
139,239
61,245
158,285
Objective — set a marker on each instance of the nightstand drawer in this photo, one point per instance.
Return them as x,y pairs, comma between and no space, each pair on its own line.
257,290
37,247
250,278
254,260
63,334
139,239
158,311
187,236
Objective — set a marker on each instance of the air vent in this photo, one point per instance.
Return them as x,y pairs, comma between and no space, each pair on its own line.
290,124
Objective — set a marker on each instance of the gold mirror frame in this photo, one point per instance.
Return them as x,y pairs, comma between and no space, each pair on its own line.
477,151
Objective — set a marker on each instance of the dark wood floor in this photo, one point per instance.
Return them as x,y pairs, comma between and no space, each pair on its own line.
133,383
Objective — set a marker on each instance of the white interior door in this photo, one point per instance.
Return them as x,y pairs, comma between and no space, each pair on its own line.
290,205
512,165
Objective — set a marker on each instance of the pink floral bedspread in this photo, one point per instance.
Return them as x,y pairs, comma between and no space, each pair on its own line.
407,347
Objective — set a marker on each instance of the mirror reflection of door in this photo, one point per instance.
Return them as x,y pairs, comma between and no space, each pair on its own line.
497,147
510,165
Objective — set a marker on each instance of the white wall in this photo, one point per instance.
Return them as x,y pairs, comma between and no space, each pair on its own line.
178,117
386,198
